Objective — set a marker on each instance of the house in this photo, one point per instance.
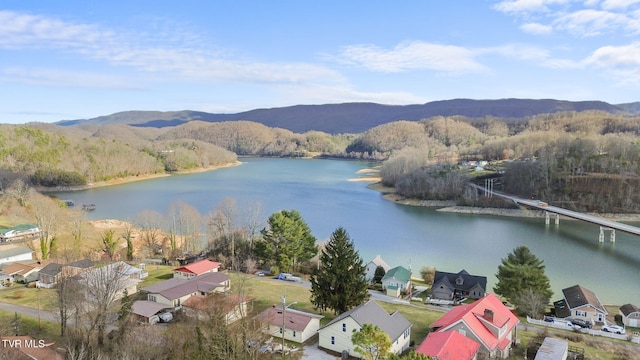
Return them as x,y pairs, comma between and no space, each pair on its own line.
144,310
581,303
24,231
15,254
175,291
197,268
397,281
22,273
49,275
122,274
552,349
5,280
336,335
298,326
77,267
232,307
452,286
448,345
486,321
26,347
370,268
630,315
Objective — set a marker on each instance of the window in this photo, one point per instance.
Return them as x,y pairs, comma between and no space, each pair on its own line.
581,313
462,332
344,327
294,333
281,332
333,340
152,298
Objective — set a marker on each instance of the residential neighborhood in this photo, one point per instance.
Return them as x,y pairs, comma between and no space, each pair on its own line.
475,324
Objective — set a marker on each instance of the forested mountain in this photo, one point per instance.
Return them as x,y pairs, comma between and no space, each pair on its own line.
356,117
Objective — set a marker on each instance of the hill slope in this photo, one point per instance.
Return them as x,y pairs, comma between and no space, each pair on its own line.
353,117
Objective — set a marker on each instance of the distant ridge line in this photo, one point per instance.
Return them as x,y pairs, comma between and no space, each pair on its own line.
358,117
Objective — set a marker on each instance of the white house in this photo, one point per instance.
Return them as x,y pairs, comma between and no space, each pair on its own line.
18,253
336,335
370,269
299,326
630,315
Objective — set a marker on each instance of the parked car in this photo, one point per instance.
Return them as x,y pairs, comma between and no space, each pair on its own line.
616,329
581,323
165,317
549,318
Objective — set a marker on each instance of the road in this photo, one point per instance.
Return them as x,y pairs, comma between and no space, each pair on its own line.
29,312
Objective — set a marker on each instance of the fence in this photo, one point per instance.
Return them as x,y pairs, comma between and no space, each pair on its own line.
564,325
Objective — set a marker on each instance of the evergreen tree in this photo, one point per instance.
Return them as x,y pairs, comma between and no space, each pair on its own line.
287,241
378,275
371,342
522,270
339,283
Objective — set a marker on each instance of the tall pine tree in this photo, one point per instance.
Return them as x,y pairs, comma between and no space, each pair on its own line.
339,282
520,271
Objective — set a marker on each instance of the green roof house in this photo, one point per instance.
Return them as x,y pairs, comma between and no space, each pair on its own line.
397,281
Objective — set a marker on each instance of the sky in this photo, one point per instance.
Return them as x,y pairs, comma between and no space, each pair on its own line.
64,60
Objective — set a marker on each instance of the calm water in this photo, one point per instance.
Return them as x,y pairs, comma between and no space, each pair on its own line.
403,235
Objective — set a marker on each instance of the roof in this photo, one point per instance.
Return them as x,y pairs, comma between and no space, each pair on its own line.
448,345
18,269
52,269
481,317
31,348
461,281
628,309
176,288
18,250
577,296
294,319
148,308
399,273
552,349
379,262
81,264
199,267
371,313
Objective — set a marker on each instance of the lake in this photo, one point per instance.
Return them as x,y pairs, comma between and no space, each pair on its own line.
403,235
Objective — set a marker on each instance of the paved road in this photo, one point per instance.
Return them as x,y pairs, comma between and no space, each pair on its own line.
29,312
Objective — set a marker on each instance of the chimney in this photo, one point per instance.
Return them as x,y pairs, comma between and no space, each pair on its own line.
488,314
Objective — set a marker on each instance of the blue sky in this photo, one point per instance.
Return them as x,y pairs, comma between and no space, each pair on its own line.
83,59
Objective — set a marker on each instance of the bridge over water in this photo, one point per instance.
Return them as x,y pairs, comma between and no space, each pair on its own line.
605,224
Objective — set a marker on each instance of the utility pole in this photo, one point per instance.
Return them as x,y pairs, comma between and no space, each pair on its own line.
284,311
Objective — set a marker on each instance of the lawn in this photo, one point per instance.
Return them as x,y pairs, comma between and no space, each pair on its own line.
30,297
28,326
157,273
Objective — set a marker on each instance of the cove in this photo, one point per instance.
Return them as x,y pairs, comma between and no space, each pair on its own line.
403,235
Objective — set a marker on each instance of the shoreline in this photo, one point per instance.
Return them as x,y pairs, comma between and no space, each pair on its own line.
131,179
450,206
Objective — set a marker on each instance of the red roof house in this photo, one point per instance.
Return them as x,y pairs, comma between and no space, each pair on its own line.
448,345
486,321
197,268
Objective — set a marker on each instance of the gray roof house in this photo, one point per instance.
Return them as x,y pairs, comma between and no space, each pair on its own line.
18,253
336,335
175,291
630,315
581,303
48,276
452,286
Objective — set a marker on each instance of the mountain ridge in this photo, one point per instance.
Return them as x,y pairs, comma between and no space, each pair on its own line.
358,117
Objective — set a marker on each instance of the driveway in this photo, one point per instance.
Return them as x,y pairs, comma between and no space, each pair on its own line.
311,352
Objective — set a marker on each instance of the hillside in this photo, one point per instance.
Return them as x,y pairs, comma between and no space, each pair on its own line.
356,117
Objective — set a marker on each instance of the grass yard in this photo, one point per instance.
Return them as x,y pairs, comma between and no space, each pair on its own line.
30,297
28,326
157,273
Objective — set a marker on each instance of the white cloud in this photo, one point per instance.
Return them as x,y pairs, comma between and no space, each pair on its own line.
526,6
415,55
537,29
618,4
585,23
167,56
63,78
623,62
